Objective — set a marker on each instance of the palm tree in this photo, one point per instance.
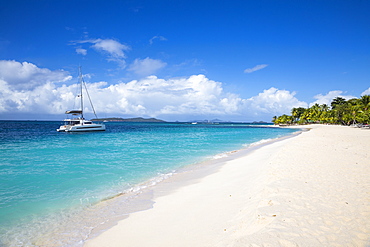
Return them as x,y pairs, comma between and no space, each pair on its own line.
315,113
297,113
274,118
352,116
341,112
284,119
337,101
365,102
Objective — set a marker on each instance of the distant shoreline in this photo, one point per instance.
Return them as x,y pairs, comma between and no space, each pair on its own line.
138,119
155,120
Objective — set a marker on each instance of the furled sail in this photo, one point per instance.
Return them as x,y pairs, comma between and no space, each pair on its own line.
74,112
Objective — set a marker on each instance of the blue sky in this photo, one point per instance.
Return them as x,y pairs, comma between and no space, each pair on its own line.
181,60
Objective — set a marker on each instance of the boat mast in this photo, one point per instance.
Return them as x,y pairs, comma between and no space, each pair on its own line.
83,84
82,102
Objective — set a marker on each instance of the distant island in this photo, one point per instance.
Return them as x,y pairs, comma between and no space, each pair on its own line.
137,119
155,120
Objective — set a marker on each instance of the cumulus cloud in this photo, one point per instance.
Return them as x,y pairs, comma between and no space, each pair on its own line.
366,92
147,66
274,102
151,96
25,76
255,68
114,49
154,96
327,98
171,99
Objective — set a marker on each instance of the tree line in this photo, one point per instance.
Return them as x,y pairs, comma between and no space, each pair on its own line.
340,111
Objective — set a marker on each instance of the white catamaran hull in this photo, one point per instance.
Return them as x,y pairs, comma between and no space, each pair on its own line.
82,127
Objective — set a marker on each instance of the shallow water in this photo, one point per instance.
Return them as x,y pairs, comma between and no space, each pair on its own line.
48,178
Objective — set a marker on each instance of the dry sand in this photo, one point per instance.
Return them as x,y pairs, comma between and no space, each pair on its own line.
309,190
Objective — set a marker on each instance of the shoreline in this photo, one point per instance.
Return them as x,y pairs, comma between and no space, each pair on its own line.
142,196
248,198
73,225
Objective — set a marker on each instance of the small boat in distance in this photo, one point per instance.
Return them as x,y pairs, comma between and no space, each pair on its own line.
77,123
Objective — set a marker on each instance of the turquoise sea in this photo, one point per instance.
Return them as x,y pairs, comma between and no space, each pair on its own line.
54,185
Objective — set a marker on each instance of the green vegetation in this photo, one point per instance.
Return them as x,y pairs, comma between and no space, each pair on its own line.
341,111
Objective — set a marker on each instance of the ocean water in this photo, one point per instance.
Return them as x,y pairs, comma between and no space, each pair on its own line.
52,184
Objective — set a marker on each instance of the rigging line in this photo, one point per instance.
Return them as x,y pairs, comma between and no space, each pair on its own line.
82,101
76,99
88,95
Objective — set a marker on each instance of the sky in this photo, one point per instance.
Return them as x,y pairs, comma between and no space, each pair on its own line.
182,60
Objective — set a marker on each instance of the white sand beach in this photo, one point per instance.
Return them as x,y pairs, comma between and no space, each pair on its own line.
309,190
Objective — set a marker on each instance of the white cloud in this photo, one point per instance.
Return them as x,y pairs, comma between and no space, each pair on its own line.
366,92
327,98
255,68
81,51
147,66
191,96
24,76
153,96
170,99
274,102
114,49
161,38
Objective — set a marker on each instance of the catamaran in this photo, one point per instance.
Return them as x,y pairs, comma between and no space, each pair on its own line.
77,123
